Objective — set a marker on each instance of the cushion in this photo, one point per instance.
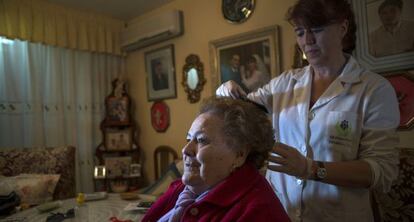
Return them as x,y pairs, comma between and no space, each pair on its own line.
32,189
162,184
41,160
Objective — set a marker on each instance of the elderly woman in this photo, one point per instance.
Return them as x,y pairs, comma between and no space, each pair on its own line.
334,121
227,145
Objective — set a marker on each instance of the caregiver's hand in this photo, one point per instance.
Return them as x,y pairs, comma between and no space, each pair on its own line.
231,89
288,160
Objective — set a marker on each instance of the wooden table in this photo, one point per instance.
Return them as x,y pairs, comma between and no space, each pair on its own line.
99,211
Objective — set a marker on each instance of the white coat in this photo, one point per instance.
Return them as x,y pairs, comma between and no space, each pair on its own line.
354,119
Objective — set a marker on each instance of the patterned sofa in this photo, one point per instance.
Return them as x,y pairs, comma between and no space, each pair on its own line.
398,204
56,160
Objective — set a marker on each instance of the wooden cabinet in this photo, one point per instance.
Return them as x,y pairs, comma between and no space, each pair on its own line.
118,155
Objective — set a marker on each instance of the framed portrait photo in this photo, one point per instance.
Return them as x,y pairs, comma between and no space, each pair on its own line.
117,166
385,34
250,59
403,83
118,139
159,65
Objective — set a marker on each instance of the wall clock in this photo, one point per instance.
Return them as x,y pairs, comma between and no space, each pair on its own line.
237,11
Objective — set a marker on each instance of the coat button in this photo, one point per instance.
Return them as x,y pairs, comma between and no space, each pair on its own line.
311,115
299,182
194,211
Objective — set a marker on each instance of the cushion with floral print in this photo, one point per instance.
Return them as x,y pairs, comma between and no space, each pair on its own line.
32,189
42,160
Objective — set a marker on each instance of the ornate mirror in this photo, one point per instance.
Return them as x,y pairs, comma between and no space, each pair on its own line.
237,11
193,78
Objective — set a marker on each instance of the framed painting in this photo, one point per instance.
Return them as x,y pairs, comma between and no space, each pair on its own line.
385,34
250,59
403,83
160,69
118,139
117,110
117,166
160,116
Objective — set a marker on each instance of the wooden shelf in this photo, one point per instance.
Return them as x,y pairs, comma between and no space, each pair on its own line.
119,148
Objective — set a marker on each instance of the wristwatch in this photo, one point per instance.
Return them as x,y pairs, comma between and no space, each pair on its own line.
320,171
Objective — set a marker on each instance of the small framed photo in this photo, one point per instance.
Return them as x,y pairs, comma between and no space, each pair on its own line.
99,172
159,65
117,166
118,139
250,59
135,170
117,110
385,35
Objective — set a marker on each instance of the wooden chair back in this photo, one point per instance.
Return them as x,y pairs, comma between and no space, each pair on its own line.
163,157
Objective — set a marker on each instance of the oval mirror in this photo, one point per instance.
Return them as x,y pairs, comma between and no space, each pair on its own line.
193,78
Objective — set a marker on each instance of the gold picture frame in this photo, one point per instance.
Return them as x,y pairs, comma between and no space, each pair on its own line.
367,19
261,43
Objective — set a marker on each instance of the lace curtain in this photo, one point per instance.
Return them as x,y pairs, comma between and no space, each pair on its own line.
52,96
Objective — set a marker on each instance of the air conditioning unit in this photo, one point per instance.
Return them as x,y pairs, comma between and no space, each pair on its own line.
141,33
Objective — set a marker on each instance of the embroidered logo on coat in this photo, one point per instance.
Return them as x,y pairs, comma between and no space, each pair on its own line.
343,128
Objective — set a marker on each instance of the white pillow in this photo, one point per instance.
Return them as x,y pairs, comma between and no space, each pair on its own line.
32,189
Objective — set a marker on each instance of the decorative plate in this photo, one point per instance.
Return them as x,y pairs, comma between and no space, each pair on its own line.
160,116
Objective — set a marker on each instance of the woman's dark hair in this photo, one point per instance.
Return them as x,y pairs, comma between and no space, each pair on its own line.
316,13
245,125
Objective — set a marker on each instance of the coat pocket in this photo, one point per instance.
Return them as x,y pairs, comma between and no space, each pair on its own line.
344,134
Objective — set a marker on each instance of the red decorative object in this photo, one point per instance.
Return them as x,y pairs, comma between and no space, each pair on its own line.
403,84
160,116
115,219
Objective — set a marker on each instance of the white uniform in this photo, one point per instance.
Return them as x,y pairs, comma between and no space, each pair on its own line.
355,118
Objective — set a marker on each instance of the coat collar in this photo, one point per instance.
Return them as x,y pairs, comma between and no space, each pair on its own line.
340,86
350,73
233,187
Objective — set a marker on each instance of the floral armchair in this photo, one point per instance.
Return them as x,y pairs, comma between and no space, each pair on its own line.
398,204
56,160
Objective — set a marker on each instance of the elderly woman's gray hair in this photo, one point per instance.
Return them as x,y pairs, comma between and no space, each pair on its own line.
245,125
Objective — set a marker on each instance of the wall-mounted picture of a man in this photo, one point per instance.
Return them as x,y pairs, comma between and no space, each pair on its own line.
160,70
394,27
159,76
